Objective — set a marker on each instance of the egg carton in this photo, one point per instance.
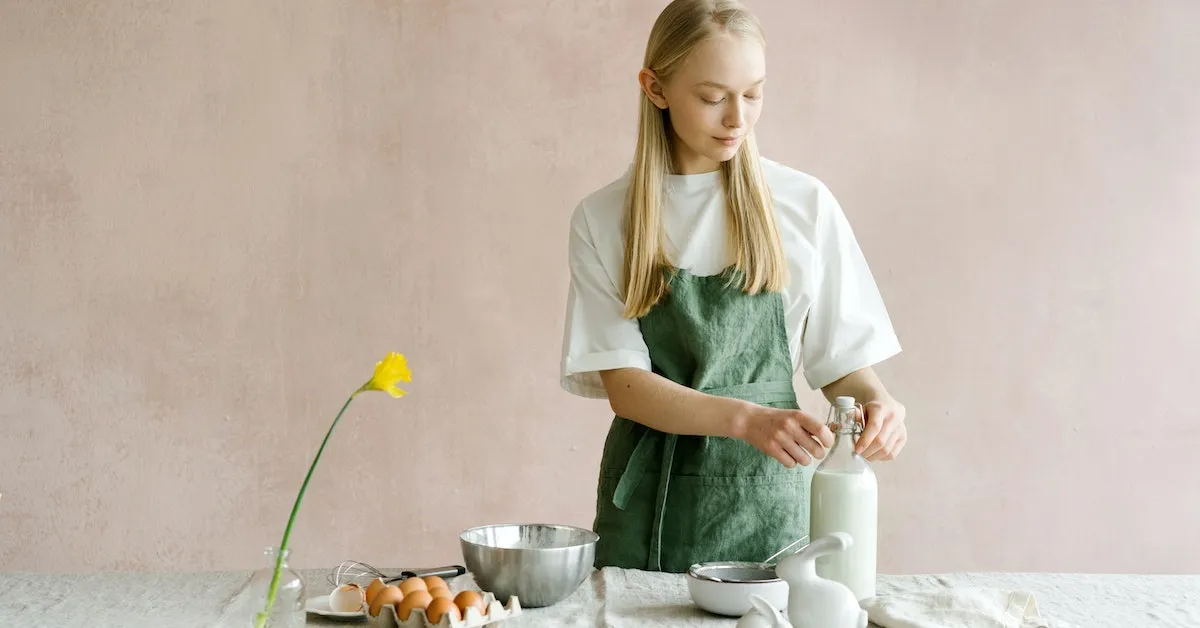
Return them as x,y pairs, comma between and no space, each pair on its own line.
496,612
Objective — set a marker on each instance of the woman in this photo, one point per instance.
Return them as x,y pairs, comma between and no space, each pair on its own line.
701,281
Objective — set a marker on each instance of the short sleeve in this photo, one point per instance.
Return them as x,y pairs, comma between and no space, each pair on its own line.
847,327
596,334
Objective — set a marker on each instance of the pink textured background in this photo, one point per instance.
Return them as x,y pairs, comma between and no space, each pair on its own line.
217,216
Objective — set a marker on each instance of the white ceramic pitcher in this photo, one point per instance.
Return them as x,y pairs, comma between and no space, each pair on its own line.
813,601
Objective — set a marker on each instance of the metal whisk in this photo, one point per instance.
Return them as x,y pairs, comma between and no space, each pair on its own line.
354,571
358,572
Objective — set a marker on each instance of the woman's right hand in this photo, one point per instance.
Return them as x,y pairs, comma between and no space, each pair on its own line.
790,436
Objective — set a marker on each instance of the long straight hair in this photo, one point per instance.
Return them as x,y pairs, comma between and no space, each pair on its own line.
753,234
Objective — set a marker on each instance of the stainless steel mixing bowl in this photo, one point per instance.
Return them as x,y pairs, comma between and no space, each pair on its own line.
541,564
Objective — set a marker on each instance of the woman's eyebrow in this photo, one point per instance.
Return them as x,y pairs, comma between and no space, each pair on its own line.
721,86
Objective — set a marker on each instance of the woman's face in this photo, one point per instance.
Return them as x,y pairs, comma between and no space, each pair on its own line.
713,101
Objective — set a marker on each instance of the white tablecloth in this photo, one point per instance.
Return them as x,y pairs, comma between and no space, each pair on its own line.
610,598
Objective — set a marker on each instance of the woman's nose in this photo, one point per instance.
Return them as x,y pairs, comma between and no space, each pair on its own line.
734,116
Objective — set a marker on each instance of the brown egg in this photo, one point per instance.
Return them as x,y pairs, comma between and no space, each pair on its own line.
390,594
467,599
413,601
376,586
413,584
437,592
434,582
442,606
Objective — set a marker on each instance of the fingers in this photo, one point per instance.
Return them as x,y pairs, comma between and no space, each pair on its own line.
776,451
897,434
892,449
888,421
796,452
798,443
815,428
887,433
788,452
786,437
899,444
874,424
811,434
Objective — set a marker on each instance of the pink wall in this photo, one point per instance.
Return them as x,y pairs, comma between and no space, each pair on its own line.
214,220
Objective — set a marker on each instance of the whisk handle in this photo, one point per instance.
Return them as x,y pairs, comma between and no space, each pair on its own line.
448,571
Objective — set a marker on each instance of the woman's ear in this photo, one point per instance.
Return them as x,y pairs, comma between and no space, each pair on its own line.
652,88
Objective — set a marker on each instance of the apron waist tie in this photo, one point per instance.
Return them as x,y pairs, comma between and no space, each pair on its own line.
642,456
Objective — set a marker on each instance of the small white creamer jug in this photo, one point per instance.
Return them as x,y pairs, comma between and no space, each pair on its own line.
813,601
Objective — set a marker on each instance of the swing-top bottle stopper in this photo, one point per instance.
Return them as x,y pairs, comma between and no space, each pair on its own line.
845,415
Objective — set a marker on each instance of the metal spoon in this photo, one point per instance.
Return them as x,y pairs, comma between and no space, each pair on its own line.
779,554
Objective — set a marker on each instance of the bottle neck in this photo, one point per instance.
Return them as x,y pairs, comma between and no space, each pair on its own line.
844,441
842,451
841,456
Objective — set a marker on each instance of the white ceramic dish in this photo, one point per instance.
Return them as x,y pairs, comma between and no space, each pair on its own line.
319,605
725,588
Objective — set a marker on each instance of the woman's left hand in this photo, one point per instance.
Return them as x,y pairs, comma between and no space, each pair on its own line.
884,434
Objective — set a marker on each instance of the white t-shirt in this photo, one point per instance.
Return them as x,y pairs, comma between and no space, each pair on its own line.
836,320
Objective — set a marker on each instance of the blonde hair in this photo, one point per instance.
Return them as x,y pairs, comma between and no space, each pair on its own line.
753,235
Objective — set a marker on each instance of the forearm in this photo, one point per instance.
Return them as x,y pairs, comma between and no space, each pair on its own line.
657,402
864,385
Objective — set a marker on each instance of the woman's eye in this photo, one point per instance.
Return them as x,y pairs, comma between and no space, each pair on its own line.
753,96
711,101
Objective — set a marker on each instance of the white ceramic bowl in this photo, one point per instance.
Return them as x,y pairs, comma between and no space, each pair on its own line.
724,588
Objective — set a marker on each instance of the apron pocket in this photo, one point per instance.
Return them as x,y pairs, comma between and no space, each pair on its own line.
738,518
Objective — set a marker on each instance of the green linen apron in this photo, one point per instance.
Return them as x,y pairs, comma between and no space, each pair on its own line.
664,501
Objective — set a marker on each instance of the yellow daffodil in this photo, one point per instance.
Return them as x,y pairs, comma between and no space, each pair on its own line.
391,369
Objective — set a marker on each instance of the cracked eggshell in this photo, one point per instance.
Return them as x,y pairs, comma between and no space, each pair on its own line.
348,598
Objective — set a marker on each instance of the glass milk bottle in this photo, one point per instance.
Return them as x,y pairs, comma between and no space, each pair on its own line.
844,497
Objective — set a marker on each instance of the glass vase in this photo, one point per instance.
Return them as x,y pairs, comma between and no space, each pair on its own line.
242,608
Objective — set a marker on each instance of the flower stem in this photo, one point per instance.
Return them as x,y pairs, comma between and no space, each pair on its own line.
261,619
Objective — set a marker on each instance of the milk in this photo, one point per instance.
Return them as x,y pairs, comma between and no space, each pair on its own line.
847,502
